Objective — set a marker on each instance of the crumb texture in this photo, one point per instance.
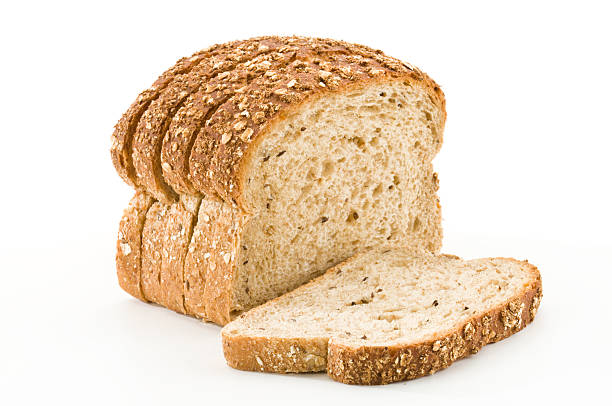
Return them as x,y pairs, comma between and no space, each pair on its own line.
345,173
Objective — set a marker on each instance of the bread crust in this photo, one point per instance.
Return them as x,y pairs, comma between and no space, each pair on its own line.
152,246
224,241
181,256
374,365
210,261
200,106
154,124
197,259
121,139
177,236
128,257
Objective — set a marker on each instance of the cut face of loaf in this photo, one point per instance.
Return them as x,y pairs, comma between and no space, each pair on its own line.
387,315
301,151
346,172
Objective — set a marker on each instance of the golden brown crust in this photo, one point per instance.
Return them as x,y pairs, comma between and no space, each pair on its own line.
185,126
186,258
201,105
129,244
274,354
223,243
148,139
152,245
205,141
200,258
372,365
383,365
177,236
196,263
121,140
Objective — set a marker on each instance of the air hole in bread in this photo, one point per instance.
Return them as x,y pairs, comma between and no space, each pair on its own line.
377,191
353,215
328,169
416,224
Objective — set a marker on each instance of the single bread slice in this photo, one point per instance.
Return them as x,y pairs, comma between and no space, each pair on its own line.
177,236
387,315
128,258
152,245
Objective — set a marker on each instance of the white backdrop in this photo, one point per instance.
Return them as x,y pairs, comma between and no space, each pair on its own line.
524,171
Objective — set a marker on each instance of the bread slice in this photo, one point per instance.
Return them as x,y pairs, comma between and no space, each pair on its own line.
152,246
325,150
387,315
128,258
177,236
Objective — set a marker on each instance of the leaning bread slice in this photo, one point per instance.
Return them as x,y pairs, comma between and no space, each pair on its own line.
386,316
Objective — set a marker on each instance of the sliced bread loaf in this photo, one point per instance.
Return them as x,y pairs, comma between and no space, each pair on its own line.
305,150
387,315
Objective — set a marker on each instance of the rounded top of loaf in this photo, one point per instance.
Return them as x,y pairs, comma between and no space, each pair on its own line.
228,96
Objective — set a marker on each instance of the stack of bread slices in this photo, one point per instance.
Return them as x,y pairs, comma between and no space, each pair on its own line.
285,189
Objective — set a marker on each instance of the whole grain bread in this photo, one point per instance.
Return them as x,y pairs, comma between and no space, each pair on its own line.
302,152
387,315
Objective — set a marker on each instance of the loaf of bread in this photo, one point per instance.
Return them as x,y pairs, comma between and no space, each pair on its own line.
387,315
259,164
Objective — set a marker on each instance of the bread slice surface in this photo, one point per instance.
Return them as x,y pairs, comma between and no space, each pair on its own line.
387,315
